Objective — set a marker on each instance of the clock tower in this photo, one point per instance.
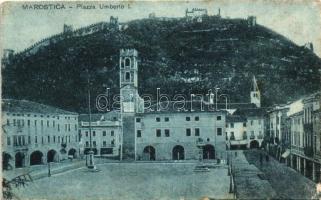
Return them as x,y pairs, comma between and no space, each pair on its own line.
131,103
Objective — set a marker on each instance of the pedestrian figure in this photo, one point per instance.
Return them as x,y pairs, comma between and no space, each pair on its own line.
261,159
267,158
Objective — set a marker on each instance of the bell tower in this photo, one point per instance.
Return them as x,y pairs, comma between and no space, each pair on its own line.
255,94
129,100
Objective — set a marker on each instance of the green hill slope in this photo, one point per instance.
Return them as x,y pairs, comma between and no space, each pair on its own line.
175,55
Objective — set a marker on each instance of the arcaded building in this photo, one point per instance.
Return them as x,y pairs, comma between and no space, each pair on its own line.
175,134
35,133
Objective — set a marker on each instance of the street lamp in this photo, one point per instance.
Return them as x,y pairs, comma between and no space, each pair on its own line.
91,164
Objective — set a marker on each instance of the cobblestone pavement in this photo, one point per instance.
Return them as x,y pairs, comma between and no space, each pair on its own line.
287,183
249,180
132,181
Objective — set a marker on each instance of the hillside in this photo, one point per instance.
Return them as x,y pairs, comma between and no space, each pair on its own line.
175,55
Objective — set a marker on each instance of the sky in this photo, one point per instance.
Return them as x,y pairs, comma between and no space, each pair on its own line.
298,20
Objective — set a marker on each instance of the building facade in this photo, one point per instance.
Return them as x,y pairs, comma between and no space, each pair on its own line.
35,134
245,128
103,132
153,134
180,135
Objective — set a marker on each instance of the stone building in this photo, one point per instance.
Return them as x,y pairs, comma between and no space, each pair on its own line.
245,128
35,134
153,134
277,117
105,130
175,134
196,14
236,134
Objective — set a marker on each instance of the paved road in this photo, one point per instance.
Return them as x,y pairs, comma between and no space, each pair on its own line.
132,181
248,183
287,183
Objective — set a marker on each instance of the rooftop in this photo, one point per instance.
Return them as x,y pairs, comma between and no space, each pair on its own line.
194,106
109,116
26,106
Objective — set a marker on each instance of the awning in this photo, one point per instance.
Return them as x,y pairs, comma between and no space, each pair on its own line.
286,154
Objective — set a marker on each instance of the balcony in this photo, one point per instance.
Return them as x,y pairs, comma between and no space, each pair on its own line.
308,151
252,137
232,137
244,137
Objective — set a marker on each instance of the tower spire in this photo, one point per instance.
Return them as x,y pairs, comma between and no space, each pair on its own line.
255,94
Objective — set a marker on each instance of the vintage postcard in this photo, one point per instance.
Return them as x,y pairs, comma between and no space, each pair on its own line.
161,100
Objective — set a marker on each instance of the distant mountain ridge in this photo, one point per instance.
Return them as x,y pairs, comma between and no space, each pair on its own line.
176,55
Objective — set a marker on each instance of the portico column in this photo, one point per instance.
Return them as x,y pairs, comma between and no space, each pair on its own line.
304,167
313,172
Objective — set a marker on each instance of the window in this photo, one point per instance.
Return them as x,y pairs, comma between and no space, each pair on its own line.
8,122
218,118
127,76
54,139
127,62
251,122
157,119
158,133
188,119
188,132
68,127
58,139
41,123
14,122
232,125
139,133
166,132
28,122
86,133
197,118
94,143
41,140
8,141
166,119
104,143
29,140
15,141
58,127
48,139
244,124
219,131
36,140
87,144
75,127
94,133
104,133
197,132
47,123
112,133
137,120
